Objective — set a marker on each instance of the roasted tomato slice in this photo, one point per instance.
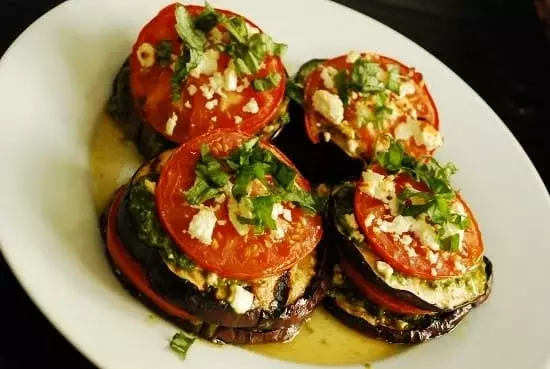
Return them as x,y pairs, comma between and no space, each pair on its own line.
413,251
409,115
199,109
230,254
131,269
378,296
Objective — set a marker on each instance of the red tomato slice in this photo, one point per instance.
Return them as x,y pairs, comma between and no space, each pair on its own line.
230,255
396,253
131,269
152,92
420,100
378,296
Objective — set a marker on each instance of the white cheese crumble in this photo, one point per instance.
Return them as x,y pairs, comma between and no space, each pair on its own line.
192,89
240,299
207,91
207,65
353,145
230,79
406,130
378,186
406,88
211,104
369,219
287,215
212,279
399,225
428,137
277,210
327,75
146,55
406,240
237,119
202,225
432,257
384,268
425,234
171,124
251,106
187,104
329,106
352,57
327,136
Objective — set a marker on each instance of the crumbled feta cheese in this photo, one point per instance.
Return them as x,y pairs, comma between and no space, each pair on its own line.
406,130
329,106
192,89
222,222
207,91
287,215
432,257
429,137
230,79
202,225
240,299
352,57
251,106
187,104
278,233
406,240
171,124
406,88
459,266
433,272
207,65
384,268
146,55
327,136
211,104
277,210
327,75
383,143
378,186
213,119
237,119
425,234
369,219
242,87
400,224
410,251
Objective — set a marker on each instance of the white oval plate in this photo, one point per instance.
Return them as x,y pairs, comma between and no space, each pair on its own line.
53,83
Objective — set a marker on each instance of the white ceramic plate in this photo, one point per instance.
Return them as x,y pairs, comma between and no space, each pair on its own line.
53,83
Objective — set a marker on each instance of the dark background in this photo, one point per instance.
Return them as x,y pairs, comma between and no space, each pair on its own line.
499,47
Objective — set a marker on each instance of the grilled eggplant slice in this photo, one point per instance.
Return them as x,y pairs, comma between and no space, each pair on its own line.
125,111
439,295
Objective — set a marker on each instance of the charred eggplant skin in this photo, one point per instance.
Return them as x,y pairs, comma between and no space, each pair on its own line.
125,111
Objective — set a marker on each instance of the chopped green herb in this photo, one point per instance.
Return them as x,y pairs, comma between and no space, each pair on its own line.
185,26
207,19
181,342
364,76
209,181
163,50
271,81
393,79
451,243
295,91
184,65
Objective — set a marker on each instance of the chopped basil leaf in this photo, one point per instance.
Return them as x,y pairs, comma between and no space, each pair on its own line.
181,342
342,86
271,81
207,19
285,176
184,65
163,50
451,243
295,91
209,181
195,41
364,76
393,79
236,27
185,26
262,208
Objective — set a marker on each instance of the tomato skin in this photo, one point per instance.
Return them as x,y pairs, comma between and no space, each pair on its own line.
378,296
426,108
152,92
131,269
230,255
394,252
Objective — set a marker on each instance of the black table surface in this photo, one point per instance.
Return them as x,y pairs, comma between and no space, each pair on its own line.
499,47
